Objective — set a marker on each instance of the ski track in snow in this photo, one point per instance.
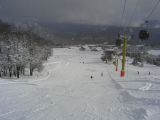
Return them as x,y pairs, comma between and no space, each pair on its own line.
66,91
146,87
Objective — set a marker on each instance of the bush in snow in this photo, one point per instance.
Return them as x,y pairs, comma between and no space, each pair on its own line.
82,48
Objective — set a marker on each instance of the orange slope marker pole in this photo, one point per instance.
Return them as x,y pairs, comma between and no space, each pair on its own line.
116,64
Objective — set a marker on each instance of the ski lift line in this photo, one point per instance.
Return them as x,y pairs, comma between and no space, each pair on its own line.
124,8
133,15
149,15
123,13
153,9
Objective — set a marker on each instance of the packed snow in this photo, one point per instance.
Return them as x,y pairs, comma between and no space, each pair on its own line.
64,90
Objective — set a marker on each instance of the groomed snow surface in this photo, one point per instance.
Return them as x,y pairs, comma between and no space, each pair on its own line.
65,90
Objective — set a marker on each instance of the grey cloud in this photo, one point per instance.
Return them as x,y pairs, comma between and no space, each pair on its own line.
78,11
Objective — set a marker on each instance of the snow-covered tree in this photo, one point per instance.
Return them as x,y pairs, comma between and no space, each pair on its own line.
21,49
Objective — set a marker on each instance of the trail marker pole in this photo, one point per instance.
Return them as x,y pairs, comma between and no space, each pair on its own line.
116,64
123,72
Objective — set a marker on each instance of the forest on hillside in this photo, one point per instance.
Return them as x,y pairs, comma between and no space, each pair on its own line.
21,50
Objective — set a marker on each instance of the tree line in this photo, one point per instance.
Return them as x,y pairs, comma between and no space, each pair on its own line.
21,51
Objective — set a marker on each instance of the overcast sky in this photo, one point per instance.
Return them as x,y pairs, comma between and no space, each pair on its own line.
78,11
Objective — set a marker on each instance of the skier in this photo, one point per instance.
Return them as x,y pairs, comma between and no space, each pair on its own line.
91,76
138,72
149,73
101,74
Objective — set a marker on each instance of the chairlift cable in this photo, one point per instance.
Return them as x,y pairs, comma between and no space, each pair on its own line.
123,12
153,9
144,34
118,41
124,8
133,14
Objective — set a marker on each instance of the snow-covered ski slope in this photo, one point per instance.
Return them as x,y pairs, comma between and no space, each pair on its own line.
65,91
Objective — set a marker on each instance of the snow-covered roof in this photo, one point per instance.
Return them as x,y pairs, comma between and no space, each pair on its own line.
154,52
109,49
139,45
